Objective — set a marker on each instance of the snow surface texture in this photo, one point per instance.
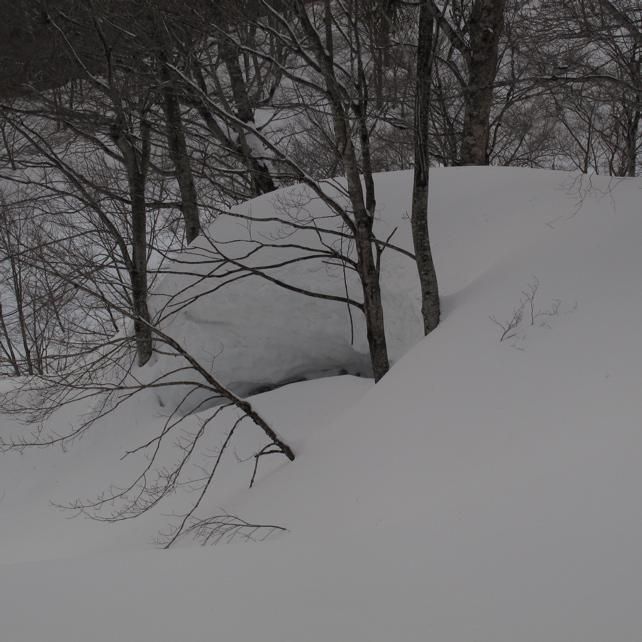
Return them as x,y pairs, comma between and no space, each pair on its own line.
485,490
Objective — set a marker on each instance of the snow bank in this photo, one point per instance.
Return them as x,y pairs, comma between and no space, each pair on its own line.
484,490
254,334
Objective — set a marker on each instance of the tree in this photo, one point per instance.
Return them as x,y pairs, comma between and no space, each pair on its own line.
474,29
333,73
589,51
484,27
419,218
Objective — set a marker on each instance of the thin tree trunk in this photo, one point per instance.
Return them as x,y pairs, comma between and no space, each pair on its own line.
367,265
8,350
8,147
363,210
176,141
136,167
430,308
22,320
632,134
262,181
383,25
632,145
180,158
139,272
373,305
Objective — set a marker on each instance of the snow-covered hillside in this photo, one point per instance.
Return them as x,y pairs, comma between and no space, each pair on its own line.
256,334
486,489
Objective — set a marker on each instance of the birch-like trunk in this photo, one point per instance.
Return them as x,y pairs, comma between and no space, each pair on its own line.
430,308
363,208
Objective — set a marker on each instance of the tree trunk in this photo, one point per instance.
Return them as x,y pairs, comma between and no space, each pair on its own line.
138,274
632,133
367,265
261,178
430,308
373,305
632,143
485,28
136,167
178,153
362,208
8,350
384,17
22,319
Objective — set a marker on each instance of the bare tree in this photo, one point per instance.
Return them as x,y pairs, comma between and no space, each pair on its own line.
473,29
590,51
419,218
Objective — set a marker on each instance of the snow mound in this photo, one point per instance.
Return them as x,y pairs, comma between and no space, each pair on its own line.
235,296
234,300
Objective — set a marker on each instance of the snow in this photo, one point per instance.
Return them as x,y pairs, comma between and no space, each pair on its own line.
255,334
484,490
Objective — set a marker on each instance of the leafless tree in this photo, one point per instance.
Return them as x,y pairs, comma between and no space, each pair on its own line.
590,52
473,29
430,307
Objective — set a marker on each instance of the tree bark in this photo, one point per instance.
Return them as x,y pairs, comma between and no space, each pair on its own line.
136,163
177,147
18,291
430,308
632,133
8,349
138,274
261,178
485,27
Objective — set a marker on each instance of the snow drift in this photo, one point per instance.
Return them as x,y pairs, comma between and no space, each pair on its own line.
238,297
486,489
222,298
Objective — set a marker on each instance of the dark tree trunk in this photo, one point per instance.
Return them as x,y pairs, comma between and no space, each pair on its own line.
384,18
367,265
8,349
430,308
22,319
178,153
629,155
632,133
261,178
485,28
136,163
138,274
373,306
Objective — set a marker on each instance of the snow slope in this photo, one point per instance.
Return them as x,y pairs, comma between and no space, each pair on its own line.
485,490
255,334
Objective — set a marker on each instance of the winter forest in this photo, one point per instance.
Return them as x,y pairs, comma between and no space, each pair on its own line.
350,288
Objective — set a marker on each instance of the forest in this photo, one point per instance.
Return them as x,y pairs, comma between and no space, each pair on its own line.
353,282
